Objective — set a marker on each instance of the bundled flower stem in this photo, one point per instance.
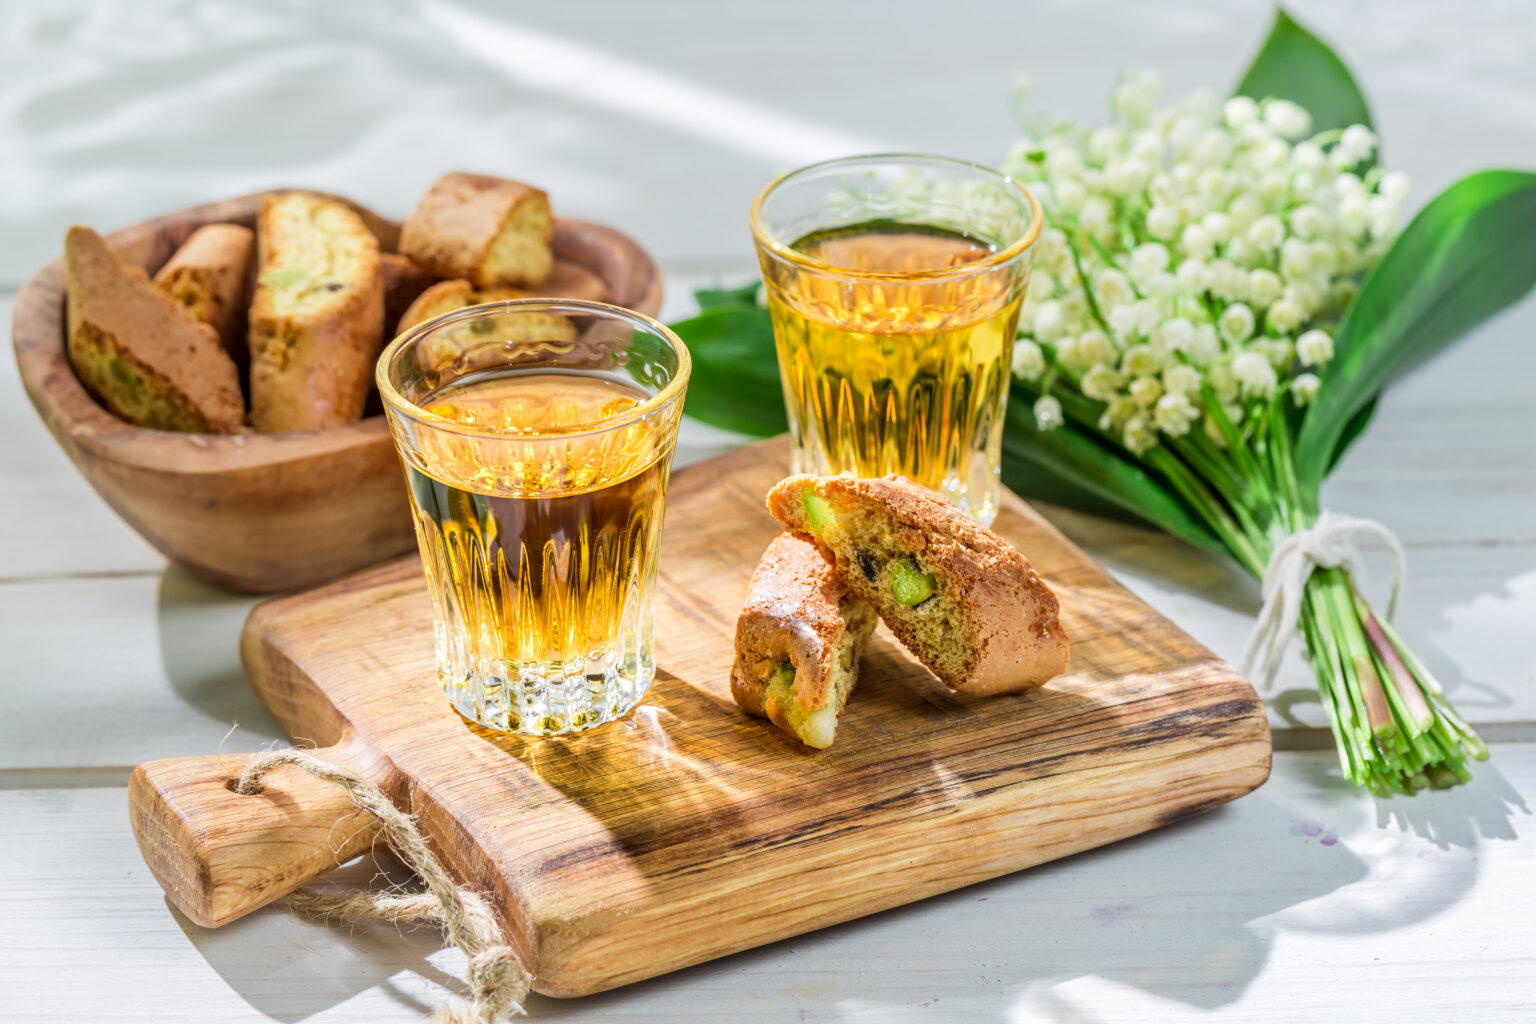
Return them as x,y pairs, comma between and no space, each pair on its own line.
1185,298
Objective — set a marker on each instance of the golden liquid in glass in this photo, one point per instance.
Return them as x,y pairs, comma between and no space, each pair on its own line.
898,375
540,548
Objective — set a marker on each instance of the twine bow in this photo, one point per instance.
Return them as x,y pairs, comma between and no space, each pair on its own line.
498,983
1326,544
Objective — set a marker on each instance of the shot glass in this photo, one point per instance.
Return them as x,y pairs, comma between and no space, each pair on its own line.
894,284
537,437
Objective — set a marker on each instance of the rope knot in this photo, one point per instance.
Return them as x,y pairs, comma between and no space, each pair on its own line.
1326,544
498,983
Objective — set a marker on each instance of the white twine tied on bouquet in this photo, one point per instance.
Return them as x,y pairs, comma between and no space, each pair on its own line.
498,982
1327,544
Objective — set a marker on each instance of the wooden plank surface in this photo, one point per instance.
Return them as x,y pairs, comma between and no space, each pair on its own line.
1290,904
692,819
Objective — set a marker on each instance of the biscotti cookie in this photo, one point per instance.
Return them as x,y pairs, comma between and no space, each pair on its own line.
569,280
136,349
961,599
798,642
487,230
404,281
480,341
447,296
317,317
210,275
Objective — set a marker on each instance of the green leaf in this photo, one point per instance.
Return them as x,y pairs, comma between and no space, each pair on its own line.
744,297
1467,255
1295,65
1070,456
1352,430
735,380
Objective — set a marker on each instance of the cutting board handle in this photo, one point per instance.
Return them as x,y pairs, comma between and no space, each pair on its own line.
219,854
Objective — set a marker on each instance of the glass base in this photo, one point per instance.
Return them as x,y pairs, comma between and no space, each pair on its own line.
534,704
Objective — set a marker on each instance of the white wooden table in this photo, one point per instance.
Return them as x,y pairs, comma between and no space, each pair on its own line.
1307,900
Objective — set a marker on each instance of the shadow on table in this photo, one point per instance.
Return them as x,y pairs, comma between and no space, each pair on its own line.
313,966
200,651
1182,921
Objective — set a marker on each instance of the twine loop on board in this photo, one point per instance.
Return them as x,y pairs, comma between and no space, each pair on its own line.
1326,544
498,982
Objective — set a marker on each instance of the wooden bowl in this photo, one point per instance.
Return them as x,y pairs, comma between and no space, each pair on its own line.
255,512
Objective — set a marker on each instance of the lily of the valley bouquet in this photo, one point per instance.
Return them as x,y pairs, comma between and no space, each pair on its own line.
1222,291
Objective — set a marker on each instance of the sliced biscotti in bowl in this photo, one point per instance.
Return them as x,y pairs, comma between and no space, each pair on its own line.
962,599
317,316
252,511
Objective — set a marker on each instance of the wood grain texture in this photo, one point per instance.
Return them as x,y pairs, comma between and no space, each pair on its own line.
254,512
690,830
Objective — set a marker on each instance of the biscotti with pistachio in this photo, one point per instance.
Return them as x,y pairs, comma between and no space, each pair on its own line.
210,275
489,231
798,642
135,348
962,599
317,316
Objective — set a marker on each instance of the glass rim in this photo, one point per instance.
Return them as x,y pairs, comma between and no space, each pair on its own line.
393,399
765,239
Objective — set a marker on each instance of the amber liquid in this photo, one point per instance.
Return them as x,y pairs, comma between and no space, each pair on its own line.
898,374
540,547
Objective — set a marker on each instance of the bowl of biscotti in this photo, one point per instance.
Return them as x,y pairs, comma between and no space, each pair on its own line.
210,371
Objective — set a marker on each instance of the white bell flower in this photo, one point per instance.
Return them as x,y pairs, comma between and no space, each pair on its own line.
1162,222
1070,194
1041,286
1116,411
1048,415
1159,284
1181,379
1239,111
1308,156
1206,346
1218,225
1283,315
1145,391
1254,375
1102,382
1193,275
1314,348
1028,360
1138,435
1235,323
1148,258
1266,233
1287,119
1175,414
1112,288
1356,144
1394,186
1094,347
1123,320
1223,382
1214,147
1049,324
1296,258
1138,95
1141,361
1264,287
1173,335
1304,388
1243,253
1243,210
1197,242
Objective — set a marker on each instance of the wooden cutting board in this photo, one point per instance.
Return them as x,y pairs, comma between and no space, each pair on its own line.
690,830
